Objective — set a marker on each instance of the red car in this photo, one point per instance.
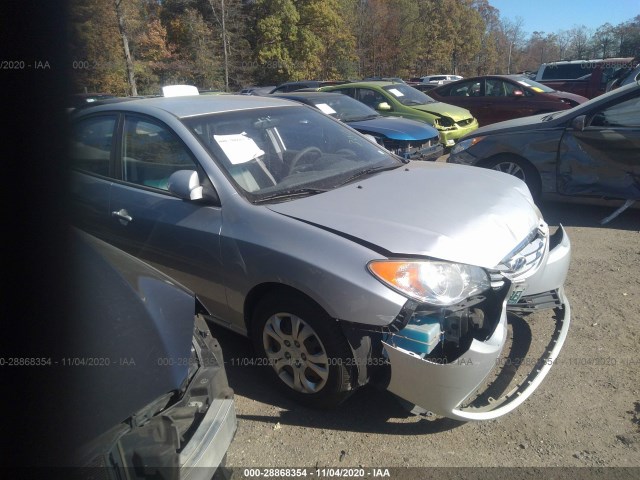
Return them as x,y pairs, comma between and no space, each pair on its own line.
494,98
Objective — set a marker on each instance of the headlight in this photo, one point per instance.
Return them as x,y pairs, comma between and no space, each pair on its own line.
434,282
464,144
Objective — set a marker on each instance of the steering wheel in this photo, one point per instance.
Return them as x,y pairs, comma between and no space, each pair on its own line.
345,152
305,151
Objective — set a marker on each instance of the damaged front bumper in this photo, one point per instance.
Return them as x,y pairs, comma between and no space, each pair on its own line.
443,387
428,154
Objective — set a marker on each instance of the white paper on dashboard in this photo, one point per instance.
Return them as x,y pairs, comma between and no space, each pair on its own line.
239,148
324,108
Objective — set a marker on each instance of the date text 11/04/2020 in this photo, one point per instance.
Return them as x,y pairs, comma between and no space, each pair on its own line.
322,472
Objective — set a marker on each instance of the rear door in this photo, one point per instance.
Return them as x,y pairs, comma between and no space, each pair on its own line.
602,159
92,151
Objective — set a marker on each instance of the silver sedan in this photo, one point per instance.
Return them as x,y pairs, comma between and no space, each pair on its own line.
344,264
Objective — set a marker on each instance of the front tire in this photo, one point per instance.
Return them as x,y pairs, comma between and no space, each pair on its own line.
305,350
519,168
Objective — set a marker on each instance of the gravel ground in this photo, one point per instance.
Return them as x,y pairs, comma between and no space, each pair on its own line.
585,414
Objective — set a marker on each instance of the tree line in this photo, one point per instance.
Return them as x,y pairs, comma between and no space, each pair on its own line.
134,47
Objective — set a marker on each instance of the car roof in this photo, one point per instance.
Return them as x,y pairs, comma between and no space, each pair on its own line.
308,94
189,106
595,60
370,83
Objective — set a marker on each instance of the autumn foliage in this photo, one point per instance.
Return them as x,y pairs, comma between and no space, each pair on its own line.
228,44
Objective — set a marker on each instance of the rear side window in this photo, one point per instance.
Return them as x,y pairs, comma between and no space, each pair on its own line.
346,91
371,98
472,88
91,143
567,71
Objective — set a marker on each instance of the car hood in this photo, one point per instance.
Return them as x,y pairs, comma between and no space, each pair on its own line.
569,96
450,212
528,124
444,110
395,128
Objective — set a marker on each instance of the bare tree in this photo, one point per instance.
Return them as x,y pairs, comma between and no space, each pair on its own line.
603,40
579,39
125,45
514,36
221,19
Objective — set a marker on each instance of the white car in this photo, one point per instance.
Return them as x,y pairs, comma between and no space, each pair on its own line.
440,79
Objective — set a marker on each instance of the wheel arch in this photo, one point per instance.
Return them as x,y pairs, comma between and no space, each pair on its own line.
263,290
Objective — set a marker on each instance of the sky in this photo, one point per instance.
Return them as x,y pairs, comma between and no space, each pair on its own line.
552,16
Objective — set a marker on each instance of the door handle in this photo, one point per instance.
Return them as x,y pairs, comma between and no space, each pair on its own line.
122,215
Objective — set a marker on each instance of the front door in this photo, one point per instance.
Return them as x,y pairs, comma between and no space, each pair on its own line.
602,159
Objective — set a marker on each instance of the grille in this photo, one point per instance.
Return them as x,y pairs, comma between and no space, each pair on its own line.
407,149
465,122
524,260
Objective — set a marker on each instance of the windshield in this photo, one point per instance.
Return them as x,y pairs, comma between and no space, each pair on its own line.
344,108
407,95
274,152
538,87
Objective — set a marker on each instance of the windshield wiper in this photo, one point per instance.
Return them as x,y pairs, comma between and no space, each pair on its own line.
368,171
291,193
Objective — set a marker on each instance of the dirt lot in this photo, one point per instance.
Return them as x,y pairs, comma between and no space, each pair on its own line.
585,414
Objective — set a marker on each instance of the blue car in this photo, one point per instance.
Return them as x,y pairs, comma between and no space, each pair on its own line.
407,138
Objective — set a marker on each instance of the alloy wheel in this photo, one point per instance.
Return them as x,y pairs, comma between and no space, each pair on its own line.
511,168
296,353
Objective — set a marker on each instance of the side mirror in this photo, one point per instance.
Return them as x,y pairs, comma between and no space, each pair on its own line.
579,122
518,93
186,185
383,106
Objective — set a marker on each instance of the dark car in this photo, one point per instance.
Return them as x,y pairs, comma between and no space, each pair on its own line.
293,86
592,149
423,87
495,98
79,100
150,392
407,138
255,90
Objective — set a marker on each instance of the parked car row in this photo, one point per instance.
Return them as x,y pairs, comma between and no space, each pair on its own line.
485,100
406,138
400,100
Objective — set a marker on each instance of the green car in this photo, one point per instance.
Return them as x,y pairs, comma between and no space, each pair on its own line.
401,100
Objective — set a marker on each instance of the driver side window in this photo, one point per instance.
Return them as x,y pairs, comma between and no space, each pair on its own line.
371,98
625,114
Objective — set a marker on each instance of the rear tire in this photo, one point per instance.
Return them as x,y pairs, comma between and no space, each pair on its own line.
304,349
